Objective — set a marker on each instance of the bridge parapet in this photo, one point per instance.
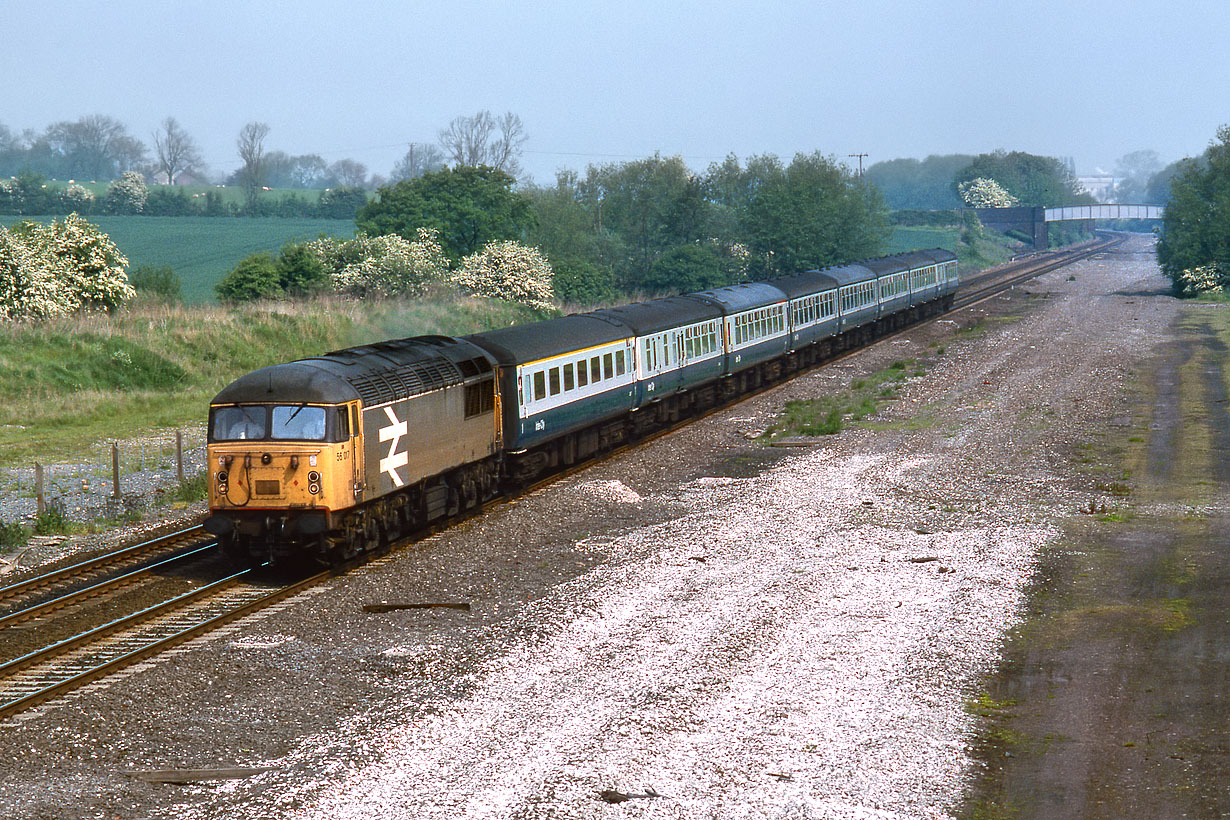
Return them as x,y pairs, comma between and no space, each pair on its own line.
1105,212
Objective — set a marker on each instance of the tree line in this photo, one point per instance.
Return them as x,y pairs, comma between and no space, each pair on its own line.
1194,245
647,226
935,183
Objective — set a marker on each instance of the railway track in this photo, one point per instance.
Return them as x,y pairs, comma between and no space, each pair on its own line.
101,650
986,285
100,567
105,649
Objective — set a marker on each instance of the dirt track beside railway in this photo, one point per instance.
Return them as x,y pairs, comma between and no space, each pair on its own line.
706,626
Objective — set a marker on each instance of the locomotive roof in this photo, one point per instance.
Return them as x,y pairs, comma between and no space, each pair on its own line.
738,298
376,373
541,340
660,314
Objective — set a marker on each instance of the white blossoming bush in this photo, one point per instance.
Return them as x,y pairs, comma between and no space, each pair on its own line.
507,270
127,195
83,260
77,197
28,289
1201,279
985,193
383,265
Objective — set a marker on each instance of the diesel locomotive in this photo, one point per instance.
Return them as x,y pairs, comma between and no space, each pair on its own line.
334,455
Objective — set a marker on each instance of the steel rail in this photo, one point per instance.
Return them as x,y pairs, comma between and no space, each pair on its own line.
98,562
68,599
37,677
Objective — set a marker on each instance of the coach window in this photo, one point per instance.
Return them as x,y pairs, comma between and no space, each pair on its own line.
608,366
582,372
619,363
540,386
569,382
554,379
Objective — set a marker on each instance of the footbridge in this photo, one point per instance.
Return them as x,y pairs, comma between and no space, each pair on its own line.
1033,221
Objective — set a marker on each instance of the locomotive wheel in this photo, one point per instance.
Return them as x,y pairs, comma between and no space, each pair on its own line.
373,533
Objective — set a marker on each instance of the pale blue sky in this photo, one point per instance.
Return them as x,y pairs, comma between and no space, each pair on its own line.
620,79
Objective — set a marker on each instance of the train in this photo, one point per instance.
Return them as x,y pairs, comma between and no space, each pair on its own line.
332,456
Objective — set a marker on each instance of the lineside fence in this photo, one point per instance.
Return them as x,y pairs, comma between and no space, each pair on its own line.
124,480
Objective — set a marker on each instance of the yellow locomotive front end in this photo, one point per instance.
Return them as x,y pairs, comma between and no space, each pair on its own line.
280,474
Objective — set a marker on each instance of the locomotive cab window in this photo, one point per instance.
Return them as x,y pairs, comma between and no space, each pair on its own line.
298,423
238,423
279,422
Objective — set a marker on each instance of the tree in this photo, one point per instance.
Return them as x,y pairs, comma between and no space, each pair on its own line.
420,158
1196,228
28,289
177,151
1035,181
1134,171
251,147
468,206
687,269
93,147
300,272
348,173
919,185
652,205
809,214
485,140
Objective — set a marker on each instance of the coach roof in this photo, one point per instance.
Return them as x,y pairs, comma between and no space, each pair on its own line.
521,344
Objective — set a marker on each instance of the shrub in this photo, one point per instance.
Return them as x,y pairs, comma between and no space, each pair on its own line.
383,265
126,195
28,289
255,277
167,201
77,198
51,521
300,272
342,202
687,269
985,193
581,282
510,271
12,536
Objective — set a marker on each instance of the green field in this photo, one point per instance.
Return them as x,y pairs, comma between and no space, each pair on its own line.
203,249
910,238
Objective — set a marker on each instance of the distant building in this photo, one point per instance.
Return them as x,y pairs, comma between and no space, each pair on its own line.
1102,187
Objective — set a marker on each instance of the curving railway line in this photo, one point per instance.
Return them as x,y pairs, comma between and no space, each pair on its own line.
114,628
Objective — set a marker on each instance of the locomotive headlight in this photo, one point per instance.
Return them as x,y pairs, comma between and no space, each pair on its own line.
266,459
294,462
222,477
313,477
314,489
222,489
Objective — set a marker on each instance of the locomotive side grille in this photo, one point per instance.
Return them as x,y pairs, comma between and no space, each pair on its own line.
407,380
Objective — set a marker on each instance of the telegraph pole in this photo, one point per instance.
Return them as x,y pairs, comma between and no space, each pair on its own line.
860,161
